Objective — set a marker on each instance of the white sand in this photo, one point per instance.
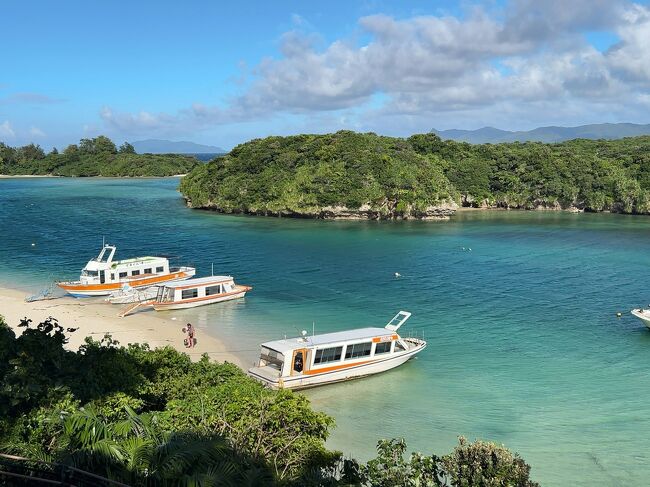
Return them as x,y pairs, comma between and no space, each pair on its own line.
96,318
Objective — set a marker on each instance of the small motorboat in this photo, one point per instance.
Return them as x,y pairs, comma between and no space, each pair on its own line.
308,361
643,315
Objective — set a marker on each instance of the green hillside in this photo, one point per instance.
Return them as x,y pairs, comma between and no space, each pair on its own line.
353,175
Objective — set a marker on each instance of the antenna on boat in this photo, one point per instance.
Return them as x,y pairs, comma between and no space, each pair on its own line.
213,268
103,241
313,328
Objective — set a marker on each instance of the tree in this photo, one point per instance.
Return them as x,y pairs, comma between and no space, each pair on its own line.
485,464
390,469
127,148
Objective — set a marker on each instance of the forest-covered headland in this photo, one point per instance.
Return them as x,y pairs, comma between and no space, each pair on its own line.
364,175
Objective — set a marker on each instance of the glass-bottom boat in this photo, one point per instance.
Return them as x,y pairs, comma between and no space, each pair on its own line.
308,361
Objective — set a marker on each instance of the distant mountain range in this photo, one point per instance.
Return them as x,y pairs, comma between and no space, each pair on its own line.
158,146
547,134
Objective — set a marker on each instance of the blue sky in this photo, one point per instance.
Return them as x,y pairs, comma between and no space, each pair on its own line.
224,73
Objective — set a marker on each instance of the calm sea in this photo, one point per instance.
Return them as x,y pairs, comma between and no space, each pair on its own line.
524,344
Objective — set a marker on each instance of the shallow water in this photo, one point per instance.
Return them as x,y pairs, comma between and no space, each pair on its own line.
524,345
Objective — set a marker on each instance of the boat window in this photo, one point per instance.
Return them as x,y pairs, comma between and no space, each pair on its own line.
271,357
112,276
160,269
91,273
358,350
228,287
211,290
189,293
383,347
147,271
328,355
135,273
399,347
123,274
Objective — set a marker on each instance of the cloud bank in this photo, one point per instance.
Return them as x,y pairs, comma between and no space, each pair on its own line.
527,64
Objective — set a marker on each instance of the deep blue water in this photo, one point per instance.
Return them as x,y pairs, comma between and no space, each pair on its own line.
524,344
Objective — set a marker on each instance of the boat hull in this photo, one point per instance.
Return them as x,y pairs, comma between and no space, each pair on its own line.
345,373
202,301
79,289
643,315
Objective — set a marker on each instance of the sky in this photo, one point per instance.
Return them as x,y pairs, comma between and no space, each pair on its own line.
221,73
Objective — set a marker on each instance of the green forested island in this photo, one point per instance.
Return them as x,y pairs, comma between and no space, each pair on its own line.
364,175
91,157
146,417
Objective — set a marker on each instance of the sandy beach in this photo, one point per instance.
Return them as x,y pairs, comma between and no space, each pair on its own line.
95,318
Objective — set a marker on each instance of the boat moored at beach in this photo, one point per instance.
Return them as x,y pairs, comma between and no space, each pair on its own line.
102,275
198,292
308,361
643,315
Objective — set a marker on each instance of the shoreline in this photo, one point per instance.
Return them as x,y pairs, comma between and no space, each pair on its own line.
26,176
95,318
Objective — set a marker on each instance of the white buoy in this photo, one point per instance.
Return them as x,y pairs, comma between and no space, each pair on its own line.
619,314
397,274
33,244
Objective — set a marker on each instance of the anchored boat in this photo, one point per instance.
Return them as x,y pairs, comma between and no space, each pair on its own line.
198,292
308,361
643,315
103,275
191,293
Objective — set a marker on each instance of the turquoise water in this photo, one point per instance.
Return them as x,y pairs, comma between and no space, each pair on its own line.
524,345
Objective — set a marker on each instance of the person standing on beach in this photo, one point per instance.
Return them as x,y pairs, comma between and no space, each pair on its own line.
190,335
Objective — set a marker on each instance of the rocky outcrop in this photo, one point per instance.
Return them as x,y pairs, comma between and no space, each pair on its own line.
384,211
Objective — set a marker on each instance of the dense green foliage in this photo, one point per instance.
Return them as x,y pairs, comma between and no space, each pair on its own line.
302,175
91,157
153,417
309,174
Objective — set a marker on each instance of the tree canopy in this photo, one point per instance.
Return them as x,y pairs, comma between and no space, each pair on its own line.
304,175
92,157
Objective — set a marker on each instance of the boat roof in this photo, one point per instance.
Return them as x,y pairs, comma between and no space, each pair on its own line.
146,258
199,281
289,344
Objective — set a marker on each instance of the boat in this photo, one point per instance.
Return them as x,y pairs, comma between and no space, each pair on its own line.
127,294
643,315
309,361
198,292
102,275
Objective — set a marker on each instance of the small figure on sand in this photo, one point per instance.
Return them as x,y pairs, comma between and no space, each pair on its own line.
189,341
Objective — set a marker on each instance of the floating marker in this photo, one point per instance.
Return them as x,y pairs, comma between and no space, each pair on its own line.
33,244
397,274
619,314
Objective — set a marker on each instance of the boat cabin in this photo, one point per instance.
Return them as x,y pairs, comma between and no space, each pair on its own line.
202,287
103,269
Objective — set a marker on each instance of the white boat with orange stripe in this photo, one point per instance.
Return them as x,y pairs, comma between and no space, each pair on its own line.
103,275
297,363
198,292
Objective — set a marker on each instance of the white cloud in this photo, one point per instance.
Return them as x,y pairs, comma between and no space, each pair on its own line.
6,130
529,62
36,132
